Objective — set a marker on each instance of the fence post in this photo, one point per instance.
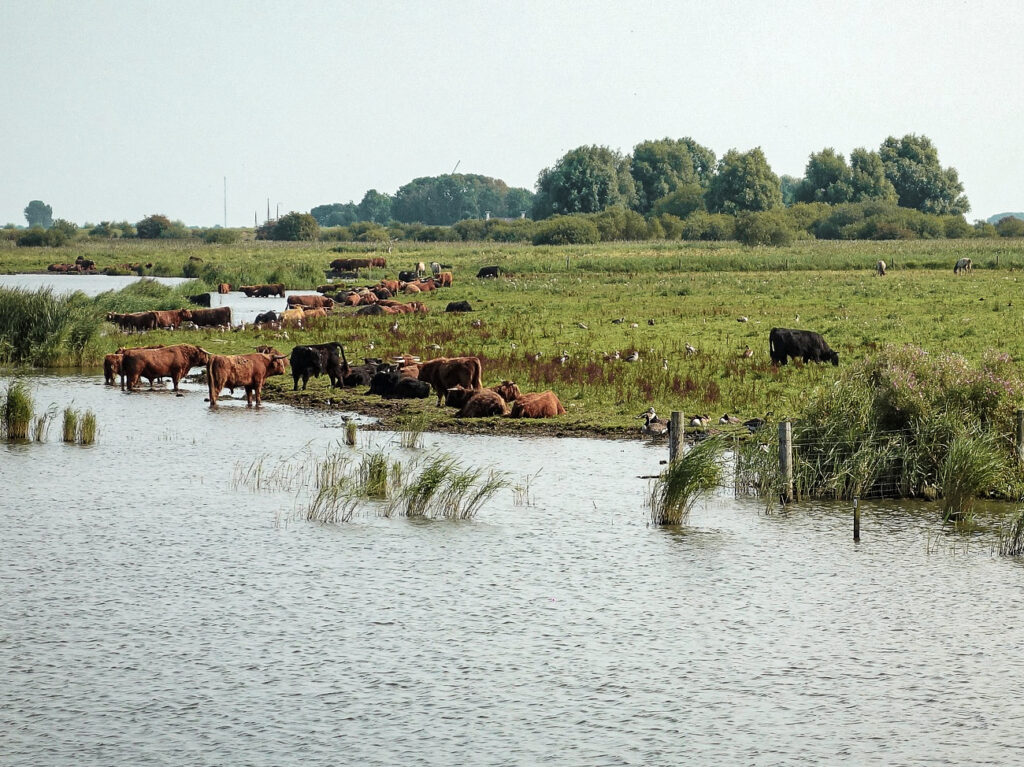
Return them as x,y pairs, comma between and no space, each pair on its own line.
676,437
1020,436
566,263
856,519
786,460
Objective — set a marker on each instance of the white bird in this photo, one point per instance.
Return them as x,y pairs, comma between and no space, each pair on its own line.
394,327
633,357
513,345
370,346
690,350
742,319
634,325
700,421
477,323
534,357
664,364
612,357
581,325
435,347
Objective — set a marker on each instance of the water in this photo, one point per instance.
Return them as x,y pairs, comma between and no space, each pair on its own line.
243,308
151,613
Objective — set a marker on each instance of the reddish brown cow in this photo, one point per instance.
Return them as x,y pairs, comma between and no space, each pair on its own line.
311,301
248,371
445,372
507,389
458,396
120,361
136,321
224,288
444,279
312,314
537,405
169,319
208,318
378,261
483,404
172,361
350,264
111,368
427,285
263,291
391,285
411,287
375,309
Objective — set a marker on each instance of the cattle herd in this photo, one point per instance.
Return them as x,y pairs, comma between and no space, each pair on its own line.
456,381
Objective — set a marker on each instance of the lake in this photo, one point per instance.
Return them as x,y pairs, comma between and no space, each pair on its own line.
154,612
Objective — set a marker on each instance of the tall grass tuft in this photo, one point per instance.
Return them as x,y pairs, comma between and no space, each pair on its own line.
87,428
18,408
41,423
445,490
1011,540
412,434
70,431
40,328
973,465
351,430
373,475
699,471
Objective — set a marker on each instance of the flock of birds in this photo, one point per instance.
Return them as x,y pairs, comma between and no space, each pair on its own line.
657,427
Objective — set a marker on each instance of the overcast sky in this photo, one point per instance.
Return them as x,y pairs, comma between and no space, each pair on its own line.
119,109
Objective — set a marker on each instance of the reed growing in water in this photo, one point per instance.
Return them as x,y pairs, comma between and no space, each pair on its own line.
1011,541
41,423
699,471
87,428
18,409
351,430
445,490
70,431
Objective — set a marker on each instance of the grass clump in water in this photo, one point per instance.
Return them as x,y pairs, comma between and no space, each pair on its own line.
18,409
351,430
87,428
699,471
412,434
445,490
973,465
70,430
1011,541
41,423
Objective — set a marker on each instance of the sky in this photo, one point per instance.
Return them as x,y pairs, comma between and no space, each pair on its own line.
114,110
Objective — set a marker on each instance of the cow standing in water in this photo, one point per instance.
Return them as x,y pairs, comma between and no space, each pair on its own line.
172,361
248,371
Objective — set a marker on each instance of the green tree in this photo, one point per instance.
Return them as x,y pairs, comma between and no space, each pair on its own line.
743,181
686,199
912,167
587,179
335,214
296,226
867,177
827,178
1010,226
659,168
567,230
789,185
444,200
38,213
375,206
152,227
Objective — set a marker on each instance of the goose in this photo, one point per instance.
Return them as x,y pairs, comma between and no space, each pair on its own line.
742,319
690,350
700,421
533,357
563,358
650,322
477,323
729,419
581,325
664,364
436,347
633,325
632,357
653,425
754,424
618,321
747,353
394,328
612,357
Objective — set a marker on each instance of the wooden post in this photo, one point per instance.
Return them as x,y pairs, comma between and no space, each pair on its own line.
676,437
1020,436
786,460
566,263
856,519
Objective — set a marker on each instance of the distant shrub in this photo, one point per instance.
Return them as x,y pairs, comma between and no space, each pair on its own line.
567,230
219,236
709,226
152,227
437,234
294,227
956,228
769,227
1011,226
471,229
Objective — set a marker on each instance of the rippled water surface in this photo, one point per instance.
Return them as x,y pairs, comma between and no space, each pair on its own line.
151,613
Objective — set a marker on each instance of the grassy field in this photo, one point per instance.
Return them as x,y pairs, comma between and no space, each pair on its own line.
565,299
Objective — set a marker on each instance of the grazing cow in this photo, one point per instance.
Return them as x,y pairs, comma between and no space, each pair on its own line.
458,306
543,404
352,264
266,317
435,268
389,383
406,276
263,291
111,368
172,361
247,371
963,266
880,268
483,404
292,317
136,321
445,372
170,319
208,318
313,314
311,301
488,271
784,343
444,279
421,269
224,288
314,359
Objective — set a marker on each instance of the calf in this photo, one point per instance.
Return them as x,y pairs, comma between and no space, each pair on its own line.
389,383
482,404
537,405
314,359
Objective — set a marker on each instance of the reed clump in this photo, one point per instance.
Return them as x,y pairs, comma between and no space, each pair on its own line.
17,412
675,492
411,436
70,430
1011,540
87,428
351,430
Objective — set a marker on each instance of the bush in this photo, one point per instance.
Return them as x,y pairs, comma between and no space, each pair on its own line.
709,226
567,230
471,229
219,236
770,227
152,227
956,228
437,234
36,237
295,226
1010,226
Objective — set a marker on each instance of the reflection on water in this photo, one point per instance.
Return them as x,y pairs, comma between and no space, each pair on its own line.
153,614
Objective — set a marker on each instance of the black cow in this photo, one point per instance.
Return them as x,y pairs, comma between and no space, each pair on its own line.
784,343
271,316
360,375
488,271
410,276
314,359
391,384
458,306
202,299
